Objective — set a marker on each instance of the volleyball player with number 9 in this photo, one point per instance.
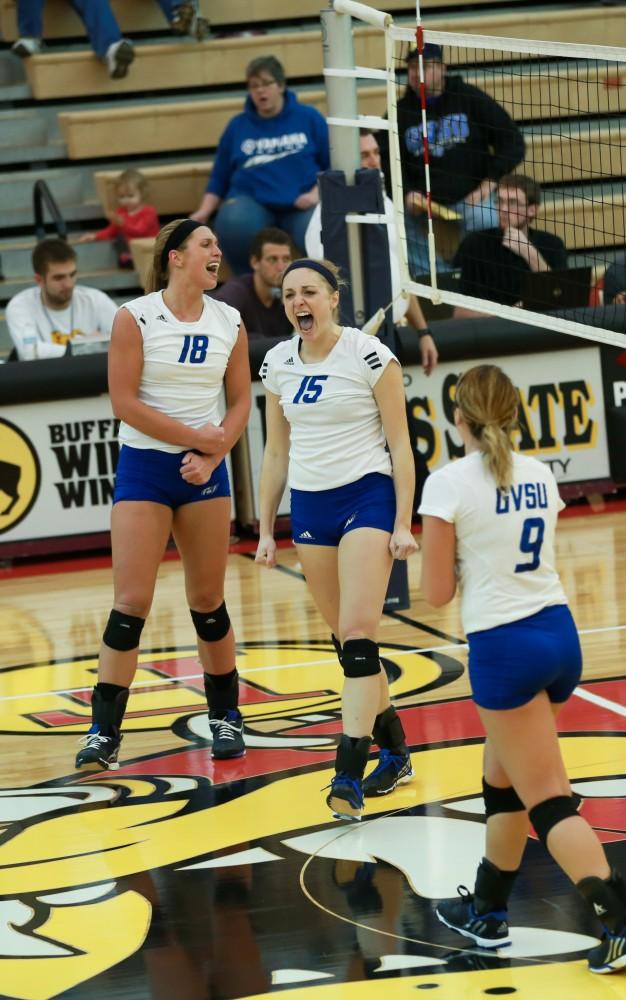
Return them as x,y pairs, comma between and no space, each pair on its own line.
172,353
334,400
489,523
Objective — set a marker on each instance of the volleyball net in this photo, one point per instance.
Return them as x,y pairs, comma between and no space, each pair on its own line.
527,229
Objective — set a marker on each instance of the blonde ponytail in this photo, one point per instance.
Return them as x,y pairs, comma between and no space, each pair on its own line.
489,403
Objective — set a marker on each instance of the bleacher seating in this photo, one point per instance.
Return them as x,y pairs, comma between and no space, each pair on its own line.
90,127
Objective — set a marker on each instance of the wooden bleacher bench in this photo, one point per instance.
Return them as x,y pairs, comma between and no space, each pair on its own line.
172,189
179,64
167,127
60,21
580,221
223,60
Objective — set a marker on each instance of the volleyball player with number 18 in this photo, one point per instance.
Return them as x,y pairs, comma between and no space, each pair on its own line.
172,353
334,399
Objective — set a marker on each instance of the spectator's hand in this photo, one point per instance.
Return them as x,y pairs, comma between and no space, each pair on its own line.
620,299
415,202
402,544
86,238
481,193
198,469
199,216
211,439
115,218
307,199
428,353
513,239
266,551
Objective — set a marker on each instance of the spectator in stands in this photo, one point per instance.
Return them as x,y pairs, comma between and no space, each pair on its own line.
43,320
493,262
103,30
404,308
131,220
615,283
472,143
265,171
257,296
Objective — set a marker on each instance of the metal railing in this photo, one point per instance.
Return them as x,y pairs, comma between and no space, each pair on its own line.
43,198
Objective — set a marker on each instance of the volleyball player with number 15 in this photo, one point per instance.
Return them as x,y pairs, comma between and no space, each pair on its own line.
172,353
334,400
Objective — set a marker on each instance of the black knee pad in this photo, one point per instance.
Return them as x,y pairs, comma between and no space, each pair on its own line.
359,658
123,632
548,813
501,800
211,625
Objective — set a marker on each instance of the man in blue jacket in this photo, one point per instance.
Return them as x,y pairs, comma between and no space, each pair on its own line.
266,167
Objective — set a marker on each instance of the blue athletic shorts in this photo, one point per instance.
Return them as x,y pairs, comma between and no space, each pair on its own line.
510,664
323,517
149,474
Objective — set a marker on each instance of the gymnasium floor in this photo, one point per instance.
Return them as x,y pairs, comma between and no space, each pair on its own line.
175,877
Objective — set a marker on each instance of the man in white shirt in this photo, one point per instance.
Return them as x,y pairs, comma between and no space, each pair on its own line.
44,319
404,308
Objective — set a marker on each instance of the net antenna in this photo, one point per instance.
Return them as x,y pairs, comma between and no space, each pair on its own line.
567,100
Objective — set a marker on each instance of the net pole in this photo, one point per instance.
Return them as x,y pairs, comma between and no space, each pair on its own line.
341,95
432,257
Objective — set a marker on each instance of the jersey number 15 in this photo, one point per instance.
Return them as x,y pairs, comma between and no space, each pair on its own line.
310,389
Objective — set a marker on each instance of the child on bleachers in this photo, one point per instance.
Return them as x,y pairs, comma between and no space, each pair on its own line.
133,218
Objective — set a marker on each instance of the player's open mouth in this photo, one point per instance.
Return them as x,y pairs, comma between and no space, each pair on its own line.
213,268
304,321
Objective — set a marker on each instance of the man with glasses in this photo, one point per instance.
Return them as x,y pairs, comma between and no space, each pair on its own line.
265,170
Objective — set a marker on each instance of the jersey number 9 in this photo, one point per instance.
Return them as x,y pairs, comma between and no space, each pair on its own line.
530,543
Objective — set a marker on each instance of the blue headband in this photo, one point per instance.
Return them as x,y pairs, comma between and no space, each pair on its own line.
178,236
314,265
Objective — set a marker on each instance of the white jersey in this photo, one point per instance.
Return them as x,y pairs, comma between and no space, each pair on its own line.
40,332
315,249
183,364
505,541
336,429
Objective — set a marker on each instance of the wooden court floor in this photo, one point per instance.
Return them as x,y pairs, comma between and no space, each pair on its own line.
176,877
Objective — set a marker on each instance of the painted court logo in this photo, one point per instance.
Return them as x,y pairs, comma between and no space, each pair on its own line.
20,475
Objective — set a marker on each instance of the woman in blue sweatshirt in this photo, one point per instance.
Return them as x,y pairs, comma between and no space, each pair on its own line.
265,170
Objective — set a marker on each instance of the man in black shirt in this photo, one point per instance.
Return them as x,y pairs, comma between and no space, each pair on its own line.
494,262
257,295
472,143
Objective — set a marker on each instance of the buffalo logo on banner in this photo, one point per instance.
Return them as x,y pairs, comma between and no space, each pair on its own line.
20,475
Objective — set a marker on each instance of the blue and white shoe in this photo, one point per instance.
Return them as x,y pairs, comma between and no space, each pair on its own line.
489,930
392,769
227,732
345,798
99,752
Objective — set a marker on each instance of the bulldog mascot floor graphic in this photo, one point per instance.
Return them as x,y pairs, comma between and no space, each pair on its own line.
174,877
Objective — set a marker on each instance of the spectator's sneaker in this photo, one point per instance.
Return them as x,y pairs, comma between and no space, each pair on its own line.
489,930
610,954
99,752
227,732
345,797
187,21
118,58
392,769
25,47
